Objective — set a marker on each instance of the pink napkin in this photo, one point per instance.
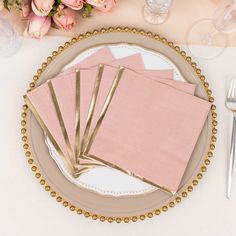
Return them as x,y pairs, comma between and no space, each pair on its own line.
66,97
40,102
150,129
104,56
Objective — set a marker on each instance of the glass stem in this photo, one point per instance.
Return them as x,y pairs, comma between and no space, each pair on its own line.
207,39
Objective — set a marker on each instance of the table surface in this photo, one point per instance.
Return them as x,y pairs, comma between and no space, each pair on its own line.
183,14
27,209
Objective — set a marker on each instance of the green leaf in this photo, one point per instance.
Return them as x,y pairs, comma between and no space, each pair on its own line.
88,8
59,1
51,13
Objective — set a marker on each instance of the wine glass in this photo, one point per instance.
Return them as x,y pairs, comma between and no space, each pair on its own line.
213,32
9,39
156,11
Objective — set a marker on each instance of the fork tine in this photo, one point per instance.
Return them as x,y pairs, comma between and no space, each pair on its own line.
234,89
230,91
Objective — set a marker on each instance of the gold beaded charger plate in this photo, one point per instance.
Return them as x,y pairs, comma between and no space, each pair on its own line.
107,207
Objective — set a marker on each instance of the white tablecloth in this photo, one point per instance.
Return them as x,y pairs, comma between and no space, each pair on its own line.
26,209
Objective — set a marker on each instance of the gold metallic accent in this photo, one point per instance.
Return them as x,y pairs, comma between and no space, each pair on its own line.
27,154
61,48
77,115
210,154
106,163
198,71
79,212
104,109
87,214
67,44
53,194
32,85
199,176
23,115
92,107
33,168
214,131
44,127
59,199
190,188
61,121
40,71
23,131
35,78
164,208
150,215
202,78
194,65
74,40
49,59
177,48
30,161
178,199
157,212
25,107
37,175
54,53
188,59
47,188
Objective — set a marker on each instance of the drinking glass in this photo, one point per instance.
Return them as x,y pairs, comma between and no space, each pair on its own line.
156,11
9,39
213,32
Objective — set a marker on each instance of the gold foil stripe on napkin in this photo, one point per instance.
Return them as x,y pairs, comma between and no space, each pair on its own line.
104,109
61,121
86,154
48,133
92,107
77,115
108,164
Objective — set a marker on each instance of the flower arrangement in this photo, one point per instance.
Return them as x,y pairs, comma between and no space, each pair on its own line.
62,14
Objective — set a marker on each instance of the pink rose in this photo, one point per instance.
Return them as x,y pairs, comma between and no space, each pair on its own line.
73,4
65,18
96,3
103,5
37,26
42,7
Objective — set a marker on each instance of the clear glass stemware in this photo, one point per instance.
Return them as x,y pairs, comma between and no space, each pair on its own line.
9,39
156,11
213,32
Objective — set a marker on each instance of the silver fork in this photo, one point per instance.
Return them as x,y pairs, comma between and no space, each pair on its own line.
231,105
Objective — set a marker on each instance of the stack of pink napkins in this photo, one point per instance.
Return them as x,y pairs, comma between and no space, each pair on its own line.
117,113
